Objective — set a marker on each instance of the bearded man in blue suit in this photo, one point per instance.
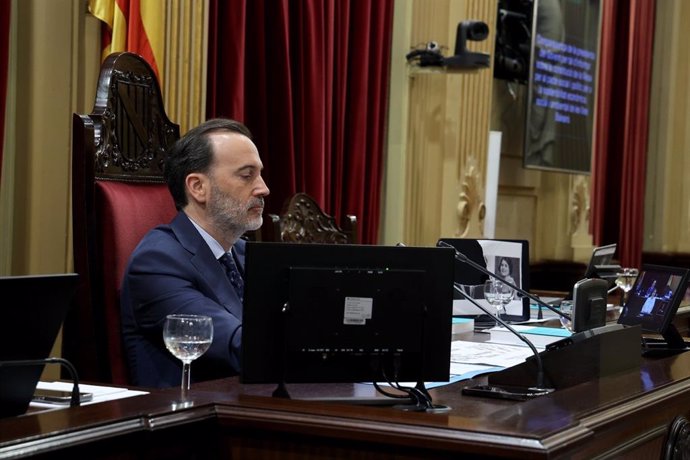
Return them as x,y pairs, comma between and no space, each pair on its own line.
214,176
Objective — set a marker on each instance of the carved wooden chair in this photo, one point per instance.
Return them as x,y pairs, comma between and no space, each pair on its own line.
303,221
118,194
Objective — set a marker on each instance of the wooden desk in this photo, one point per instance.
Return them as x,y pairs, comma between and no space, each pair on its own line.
621,415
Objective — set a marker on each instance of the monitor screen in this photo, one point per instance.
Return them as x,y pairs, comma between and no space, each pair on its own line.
654,298
318,313
601,256
561,85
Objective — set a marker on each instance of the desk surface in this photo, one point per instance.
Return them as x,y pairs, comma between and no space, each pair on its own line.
611,416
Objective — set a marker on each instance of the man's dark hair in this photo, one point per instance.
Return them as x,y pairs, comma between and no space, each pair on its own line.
193,153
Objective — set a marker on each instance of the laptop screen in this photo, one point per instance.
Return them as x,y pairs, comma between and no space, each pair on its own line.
31,323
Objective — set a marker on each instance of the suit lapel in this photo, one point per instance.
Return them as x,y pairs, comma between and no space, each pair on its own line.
206,264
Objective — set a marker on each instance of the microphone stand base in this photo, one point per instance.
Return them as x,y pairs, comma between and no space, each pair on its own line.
506,392
430,409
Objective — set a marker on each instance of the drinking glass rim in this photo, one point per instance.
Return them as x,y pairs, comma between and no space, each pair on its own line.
187,316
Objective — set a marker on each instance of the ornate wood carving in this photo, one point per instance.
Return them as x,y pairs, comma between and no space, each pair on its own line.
471,208
304,222
579,206
131,130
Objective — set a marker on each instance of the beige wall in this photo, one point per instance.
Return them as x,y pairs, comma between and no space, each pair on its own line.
667,204
51,71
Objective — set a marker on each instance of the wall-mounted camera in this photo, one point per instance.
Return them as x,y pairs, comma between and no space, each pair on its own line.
465,59
431,54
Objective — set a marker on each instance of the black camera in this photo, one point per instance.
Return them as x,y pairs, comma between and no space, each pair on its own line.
472,30
464,59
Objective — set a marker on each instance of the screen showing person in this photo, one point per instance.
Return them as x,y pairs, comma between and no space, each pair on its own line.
654,298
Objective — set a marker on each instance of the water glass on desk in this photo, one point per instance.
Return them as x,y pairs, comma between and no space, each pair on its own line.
567,308
494,294
187,337
625,280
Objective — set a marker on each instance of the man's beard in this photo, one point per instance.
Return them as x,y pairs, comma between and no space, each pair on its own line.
230,215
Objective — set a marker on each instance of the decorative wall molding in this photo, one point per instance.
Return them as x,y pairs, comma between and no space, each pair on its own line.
471,209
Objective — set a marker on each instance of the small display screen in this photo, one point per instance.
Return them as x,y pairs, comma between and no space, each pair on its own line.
654,298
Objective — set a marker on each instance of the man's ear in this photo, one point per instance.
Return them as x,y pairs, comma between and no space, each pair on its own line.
197,186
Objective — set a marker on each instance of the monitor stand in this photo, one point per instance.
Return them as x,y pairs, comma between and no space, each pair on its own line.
671,344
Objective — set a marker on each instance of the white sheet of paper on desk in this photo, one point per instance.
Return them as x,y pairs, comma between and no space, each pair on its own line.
100,393
488,354
501,335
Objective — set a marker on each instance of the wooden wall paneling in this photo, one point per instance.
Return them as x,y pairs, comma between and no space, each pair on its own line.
448,124
667,213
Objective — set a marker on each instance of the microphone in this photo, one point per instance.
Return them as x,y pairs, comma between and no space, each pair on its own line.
74,399
463,258
513,393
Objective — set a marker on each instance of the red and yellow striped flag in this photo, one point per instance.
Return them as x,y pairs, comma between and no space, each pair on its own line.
133,25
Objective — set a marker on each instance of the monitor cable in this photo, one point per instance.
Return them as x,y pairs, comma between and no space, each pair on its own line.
74,400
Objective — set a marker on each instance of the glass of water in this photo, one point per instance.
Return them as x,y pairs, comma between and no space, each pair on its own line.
187,337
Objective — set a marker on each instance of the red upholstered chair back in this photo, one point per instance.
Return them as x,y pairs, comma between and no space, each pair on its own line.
118,194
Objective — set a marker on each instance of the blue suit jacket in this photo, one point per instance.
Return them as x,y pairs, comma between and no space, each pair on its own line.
172,270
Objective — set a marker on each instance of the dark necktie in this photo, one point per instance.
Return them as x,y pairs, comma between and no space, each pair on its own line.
228,262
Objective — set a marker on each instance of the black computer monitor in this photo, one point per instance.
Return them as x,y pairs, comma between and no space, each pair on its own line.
600,264
320,313
653,301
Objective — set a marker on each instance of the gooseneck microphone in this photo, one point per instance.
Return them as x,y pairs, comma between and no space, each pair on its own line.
463,258
539,389
74,399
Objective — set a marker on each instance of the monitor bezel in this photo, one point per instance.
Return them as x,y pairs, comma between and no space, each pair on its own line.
268,266
626,318
600,254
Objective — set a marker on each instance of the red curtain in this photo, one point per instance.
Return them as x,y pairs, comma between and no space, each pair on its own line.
5,9
310,79
621,143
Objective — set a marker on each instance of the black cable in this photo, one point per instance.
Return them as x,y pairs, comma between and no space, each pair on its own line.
74,400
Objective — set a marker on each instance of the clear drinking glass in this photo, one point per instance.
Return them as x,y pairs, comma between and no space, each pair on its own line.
625,280
506,295
187,337
492,290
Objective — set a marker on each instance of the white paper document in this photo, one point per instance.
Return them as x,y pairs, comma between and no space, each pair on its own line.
488,354
100,393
